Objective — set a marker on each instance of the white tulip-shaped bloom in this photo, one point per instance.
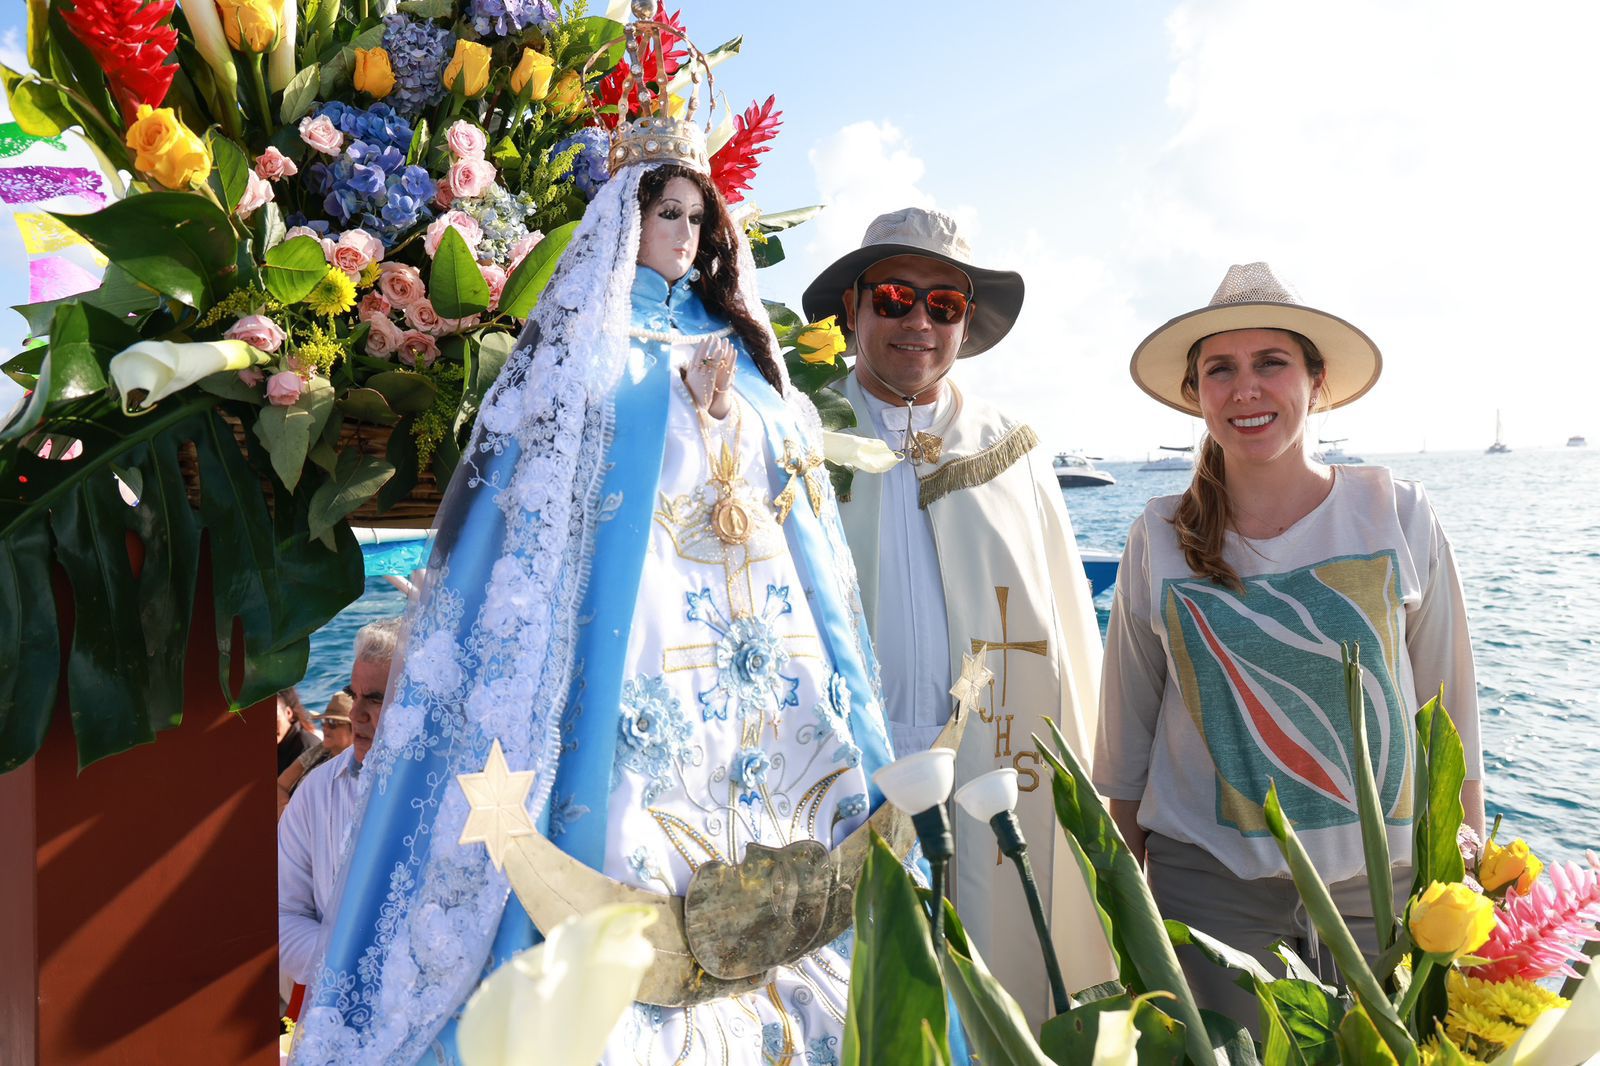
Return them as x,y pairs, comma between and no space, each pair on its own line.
557,1003
1116,1041
986,796
859,453
161,368
918,782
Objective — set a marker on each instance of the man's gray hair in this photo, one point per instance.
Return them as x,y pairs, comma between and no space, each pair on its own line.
376,641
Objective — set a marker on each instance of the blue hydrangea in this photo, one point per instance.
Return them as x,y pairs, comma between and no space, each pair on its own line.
588,170
374,188
506,17
504,219
419,52
379,125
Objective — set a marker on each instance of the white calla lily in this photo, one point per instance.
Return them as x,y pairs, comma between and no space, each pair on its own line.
205,25
858,453
160,368
280,61
1565,1035
558,1002
1116,1040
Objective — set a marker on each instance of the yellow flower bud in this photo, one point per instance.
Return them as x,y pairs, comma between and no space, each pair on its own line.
534,71
166,149
374,74
468,72
820,342
251,25
1501,866
567,94
1451,919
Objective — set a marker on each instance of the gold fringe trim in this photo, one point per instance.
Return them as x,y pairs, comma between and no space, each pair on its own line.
973,470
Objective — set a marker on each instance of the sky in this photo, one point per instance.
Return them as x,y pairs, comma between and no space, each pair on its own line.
1422,168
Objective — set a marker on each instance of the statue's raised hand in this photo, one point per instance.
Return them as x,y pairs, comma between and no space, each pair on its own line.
709,376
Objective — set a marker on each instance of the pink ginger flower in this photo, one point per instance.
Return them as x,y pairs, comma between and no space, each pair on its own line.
1541,934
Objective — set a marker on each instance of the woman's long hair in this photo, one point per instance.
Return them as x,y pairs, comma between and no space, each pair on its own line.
717,260
1204,514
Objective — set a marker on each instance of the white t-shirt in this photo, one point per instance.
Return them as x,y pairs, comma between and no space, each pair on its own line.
311,837
1208,694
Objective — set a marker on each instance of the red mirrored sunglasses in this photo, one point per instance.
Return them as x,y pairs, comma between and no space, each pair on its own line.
894,299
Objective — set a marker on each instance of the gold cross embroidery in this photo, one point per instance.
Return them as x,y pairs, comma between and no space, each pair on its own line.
1006,646
802,470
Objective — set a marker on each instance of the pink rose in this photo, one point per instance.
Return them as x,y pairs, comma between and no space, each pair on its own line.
384,339
461,222
401,285
273,165
322,135
355,249
495,278
471,177
421,315
466,140
284,388
327,243
252,376
257,191
258,332
417,347
522,246
442,194
447,326
372,305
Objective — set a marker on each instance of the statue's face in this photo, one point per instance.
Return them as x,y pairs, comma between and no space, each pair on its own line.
670,235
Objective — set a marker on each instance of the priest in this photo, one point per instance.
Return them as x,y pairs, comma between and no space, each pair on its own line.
965,548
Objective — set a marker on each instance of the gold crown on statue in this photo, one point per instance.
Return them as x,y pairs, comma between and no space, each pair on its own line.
657,134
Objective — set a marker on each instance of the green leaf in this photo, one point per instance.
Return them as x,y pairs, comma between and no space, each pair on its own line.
767,253
782,220
408,392
1374,831
1441,769
1219,954
82,341
455,283
336,72
293,268
1360,1041
1229,1040
895,983
526,282
39,34
118,293
179,244
813,378
232,170
39,109
996,1029
267,226
428,9
834,410
402,455
781,316
1128,913
367,405
1069,1038
505,156
419,142
288,431
300,93
1300,1020
30,649
356,479
1334,933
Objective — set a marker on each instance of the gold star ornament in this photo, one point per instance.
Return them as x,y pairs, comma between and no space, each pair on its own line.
499,806
968,688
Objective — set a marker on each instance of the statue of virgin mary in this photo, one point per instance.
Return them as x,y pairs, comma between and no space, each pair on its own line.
639,585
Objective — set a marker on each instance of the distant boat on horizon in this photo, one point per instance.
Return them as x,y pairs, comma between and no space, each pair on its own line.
1183,460
1333,453
1576,441
1499,447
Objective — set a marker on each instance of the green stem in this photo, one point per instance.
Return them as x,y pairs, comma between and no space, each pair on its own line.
259,83
1408,1003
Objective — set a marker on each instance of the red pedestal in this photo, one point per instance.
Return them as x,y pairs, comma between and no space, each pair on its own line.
138,916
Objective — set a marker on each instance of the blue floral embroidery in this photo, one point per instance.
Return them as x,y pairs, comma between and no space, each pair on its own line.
750,768
643,865
772,1039
844,945
654,734
820,1052
749,656
853,806
564,810
834,713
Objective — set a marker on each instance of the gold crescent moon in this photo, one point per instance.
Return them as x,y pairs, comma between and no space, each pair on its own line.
553,886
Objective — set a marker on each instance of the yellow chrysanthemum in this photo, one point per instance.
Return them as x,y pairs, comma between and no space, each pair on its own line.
1485,1017
333,295
369,276
1433,1054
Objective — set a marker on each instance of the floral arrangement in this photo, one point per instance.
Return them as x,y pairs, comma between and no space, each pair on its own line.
1467,972
331,218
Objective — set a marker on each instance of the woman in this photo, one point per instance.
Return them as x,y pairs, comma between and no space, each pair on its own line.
1222,669
619,596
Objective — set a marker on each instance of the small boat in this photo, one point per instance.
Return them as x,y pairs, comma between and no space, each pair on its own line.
1074,471
1333,453
1183,460
1499,447
1576,441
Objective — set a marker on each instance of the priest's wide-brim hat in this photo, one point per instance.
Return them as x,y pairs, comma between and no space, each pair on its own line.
996,294
1252,296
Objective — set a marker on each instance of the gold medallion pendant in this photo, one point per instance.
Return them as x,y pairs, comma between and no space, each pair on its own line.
730,519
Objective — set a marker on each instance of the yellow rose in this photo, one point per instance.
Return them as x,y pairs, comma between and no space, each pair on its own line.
535,70
166,150
1513,863
374,73
251,25
469,67
567,94
1451,919
820,342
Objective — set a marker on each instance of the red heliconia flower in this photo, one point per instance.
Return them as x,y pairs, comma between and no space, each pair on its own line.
609,91
733,168
131,40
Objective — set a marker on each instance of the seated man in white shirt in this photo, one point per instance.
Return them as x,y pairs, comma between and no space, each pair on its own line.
320,815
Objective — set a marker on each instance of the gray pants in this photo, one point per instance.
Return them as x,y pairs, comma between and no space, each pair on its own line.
1192,887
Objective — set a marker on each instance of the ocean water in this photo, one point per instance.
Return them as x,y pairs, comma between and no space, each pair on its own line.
1525,528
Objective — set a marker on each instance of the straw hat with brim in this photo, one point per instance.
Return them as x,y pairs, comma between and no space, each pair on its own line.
1253,297
996,294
